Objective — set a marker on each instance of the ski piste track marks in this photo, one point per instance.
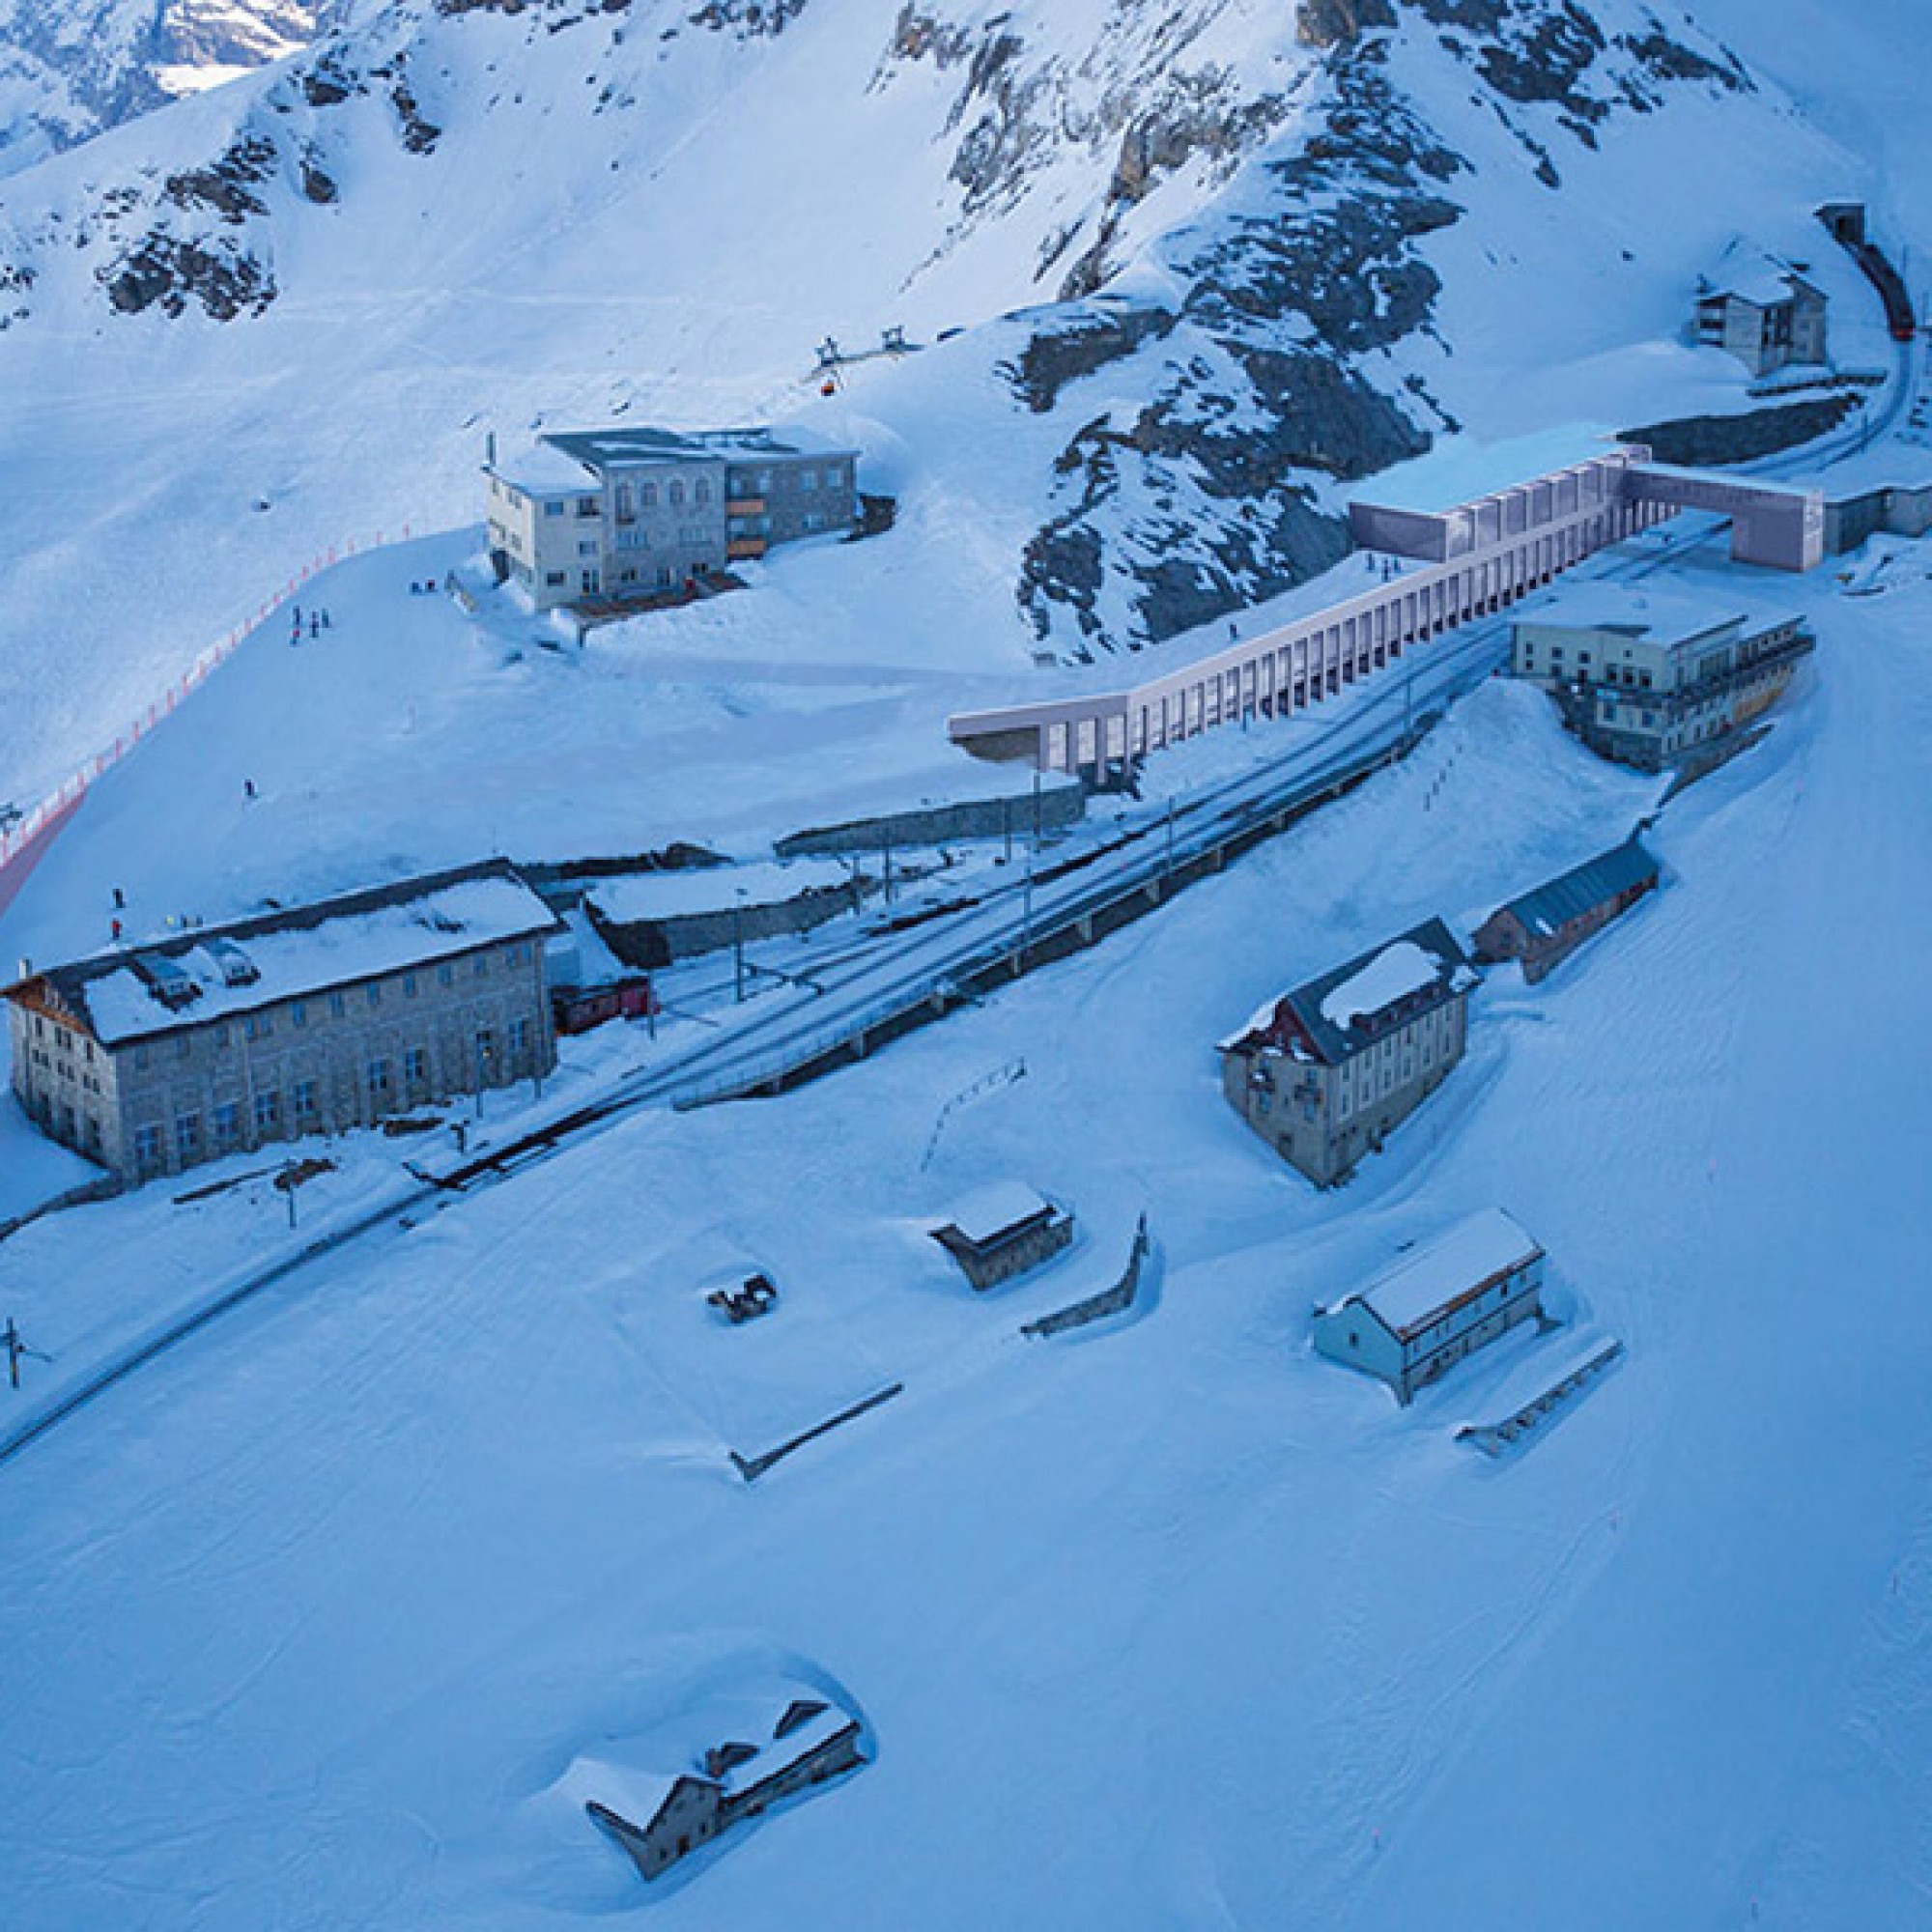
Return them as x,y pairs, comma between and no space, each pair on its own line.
1245,803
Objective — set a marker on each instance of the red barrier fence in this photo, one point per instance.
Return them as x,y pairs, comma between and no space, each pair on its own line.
23,844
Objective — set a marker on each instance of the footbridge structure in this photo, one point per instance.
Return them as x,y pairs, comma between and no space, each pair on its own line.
1474,560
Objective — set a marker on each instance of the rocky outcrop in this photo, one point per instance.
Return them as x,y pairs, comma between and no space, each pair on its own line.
165,271
84,66
1275,380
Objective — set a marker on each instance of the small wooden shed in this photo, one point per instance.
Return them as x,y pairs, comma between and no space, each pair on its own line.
1004,1231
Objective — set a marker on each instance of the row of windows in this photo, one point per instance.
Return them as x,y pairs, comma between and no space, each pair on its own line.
303,1115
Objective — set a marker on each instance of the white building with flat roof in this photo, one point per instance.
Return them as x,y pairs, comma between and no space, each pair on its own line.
616,514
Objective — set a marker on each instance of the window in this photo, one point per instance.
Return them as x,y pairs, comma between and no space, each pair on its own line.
589,506
408,985
227,1123
147,1147
700,491
553,509
481,965
259,1026
647,495
520,1038
268,1112
304,1103
337,1005
676,494
588,548
807,479
554,577
298,1013
415,1067
486,1047
375,996
187,1136
445,974
140,1060
378,1079
627,502
183,1047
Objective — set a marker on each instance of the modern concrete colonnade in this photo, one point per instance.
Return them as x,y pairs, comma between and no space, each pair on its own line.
1098,733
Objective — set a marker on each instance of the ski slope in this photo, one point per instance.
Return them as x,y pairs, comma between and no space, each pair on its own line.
1197,1628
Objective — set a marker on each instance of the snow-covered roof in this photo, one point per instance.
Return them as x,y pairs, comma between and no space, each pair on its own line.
636,1777
625,447
1665,617
993,1210
1393,973
1343,1011
216,972
545,471
700,889
1458,470
1429,1280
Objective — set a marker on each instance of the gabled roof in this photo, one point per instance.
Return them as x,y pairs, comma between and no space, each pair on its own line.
218,972
1553,904
1350,1006
1431,1280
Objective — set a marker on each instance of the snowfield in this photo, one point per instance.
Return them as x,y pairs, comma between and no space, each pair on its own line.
333,1614
1196,1628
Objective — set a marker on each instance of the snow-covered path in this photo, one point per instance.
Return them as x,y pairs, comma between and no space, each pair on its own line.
1192,1628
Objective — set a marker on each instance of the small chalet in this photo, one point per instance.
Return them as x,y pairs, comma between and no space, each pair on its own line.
1543,927
1002,1231
774,1754
1325,1072
1439,1303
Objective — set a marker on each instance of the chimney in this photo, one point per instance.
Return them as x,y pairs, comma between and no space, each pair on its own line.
26,970
490,449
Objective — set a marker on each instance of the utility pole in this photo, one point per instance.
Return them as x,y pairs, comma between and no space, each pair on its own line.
17,1348
1168,873
738,946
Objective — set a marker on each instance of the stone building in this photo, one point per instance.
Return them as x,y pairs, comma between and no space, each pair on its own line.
1002,1231
1439,1305
650,920
621,513
312,1019
771,1756
1543,927
1652,680
1768,316
1326,1073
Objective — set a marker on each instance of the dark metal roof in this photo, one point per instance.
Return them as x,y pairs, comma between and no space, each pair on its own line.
1553,904
1300,1026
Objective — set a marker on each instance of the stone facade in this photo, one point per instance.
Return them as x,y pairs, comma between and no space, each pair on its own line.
1765,328
811,1743
618,514
1323,1092
452,1011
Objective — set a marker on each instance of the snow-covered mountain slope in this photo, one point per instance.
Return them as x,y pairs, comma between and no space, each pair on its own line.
71,68
1211,261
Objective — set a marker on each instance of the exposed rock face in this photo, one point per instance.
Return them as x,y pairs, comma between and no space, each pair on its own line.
71,68
1702,442
161,269
1268,385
